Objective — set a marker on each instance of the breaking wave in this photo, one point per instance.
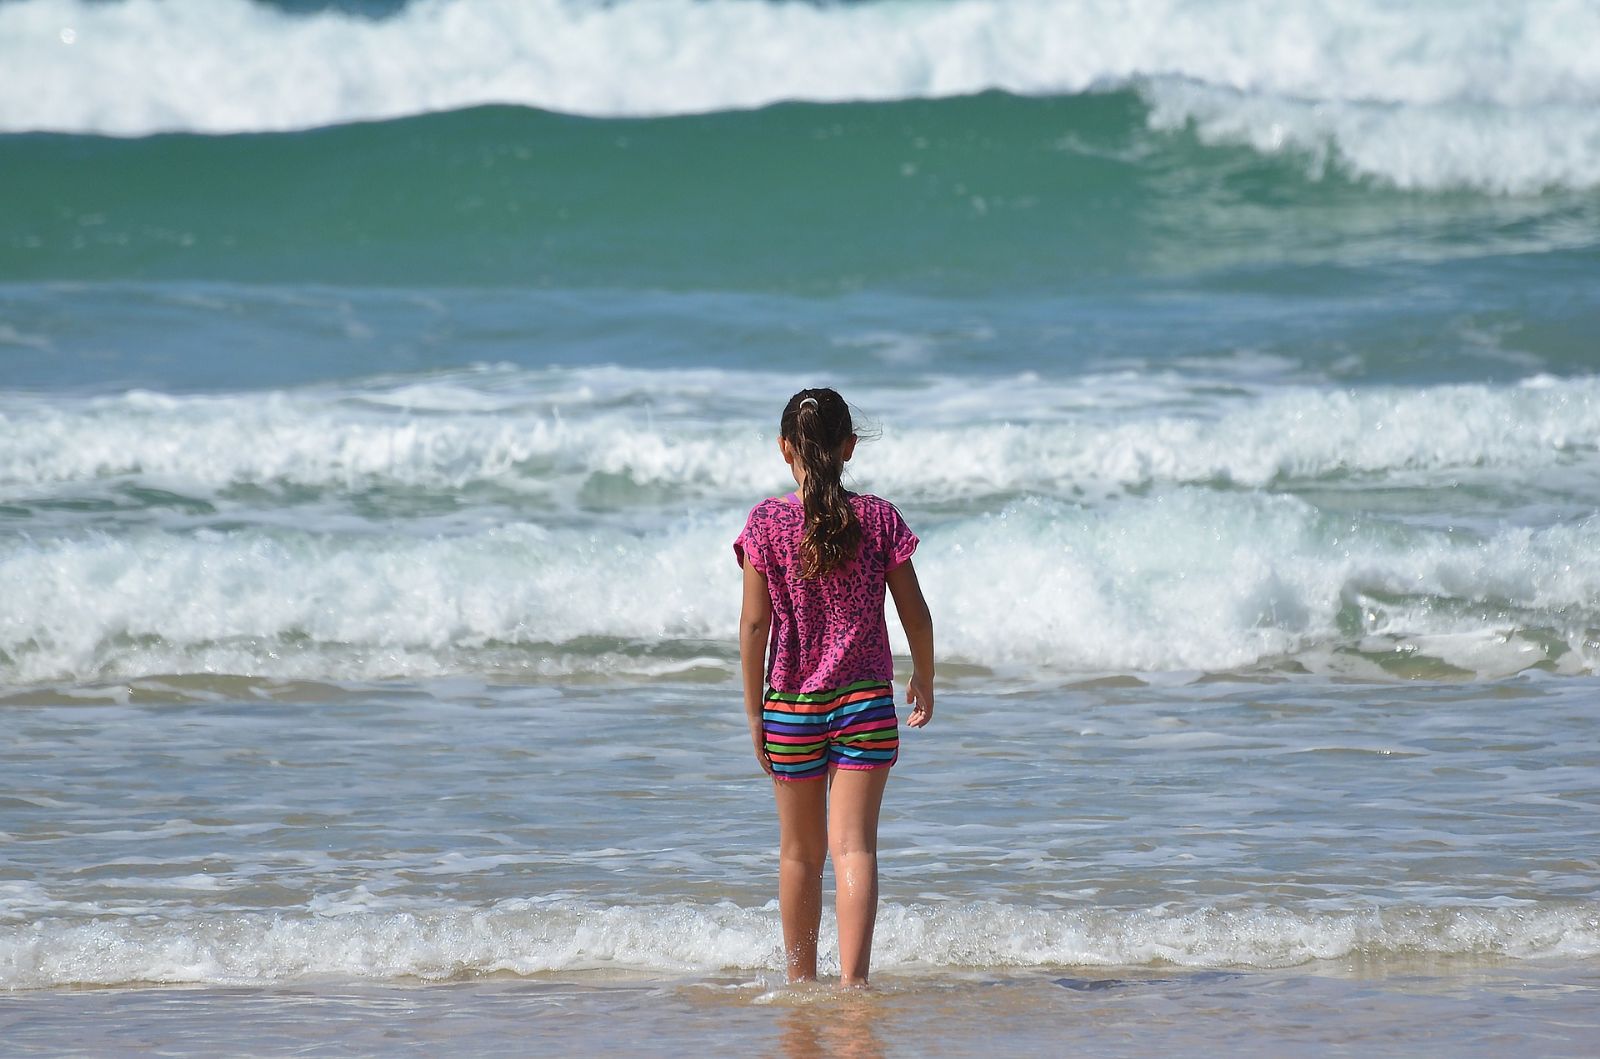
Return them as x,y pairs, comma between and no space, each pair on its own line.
1501,98
528,937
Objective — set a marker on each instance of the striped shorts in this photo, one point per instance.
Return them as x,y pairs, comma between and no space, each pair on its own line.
852,727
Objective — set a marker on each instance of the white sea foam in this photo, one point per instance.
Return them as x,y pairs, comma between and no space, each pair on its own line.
1183,579
1195,580
1101,530
1478,94
1463,144
527,937
548,435
301,605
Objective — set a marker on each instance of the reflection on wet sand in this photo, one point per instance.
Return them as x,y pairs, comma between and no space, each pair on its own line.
845,1026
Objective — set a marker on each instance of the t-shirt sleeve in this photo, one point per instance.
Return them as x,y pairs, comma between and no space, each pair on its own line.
749,545
899,541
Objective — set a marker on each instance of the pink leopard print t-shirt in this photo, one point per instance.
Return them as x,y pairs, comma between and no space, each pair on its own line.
829,631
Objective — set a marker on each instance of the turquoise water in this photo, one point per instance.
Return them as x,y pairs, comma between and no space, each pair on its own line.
374,426
975,196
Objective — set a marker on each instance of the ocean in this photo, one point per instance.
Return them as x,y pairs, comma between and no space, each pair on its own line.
382,385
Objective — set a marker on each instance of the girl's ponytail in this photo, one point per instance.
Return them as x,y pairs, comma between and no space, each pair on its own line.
816,423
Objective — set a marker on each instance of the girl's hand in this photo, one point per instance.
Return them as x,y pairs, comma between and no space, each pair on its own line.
759,738
919,694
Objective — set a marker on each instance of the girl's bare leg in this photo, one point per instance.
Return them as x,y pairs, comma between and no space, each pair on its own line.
855,797
802,849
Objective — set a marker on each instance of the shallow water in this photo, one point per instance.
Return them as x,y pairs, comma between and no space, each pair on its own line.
1472,1011
475,829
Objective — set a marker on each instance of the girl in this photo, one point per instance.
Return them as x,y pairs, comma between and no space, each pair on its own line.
815,566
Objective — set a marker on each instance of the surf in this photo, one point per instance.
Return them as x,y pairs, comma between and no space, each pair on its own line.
1475,95
446,942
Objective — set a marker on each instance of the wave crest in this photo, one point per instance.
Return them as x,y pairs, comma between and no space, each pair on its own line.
1480,94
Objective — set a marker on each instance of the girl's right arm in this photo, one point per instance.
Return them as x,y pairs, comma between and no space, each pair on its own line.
755,625
918,624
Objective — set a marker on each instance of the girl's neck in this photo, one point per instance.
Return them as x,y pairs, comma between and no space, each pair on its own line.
800,487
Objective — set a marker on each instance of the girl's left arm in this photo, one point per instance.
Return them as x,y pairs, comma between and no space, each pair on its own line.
755,626
918,624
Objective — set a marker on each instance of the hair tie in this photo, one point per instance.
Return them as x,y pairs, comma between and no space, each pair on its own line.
812,401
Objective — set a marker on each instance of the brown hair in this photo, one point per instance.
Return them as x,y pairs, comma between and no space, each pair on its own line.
816,424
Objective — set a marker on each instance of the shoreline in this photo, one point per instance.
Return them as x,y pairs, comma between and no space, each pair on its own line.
1553,1006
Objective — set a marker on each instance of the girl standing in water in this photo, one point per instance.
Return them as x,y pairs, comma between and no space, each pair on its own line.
818,675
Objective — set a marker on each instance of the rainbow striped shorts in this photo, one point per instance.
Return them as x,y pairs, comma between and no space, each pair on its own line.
852,727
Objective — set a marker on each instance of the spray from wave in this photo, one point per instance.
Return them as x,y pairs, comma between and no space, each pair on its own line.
1480,94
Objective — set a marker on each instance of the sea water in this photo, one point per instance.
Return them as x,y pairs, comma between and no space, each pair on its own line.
375,424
